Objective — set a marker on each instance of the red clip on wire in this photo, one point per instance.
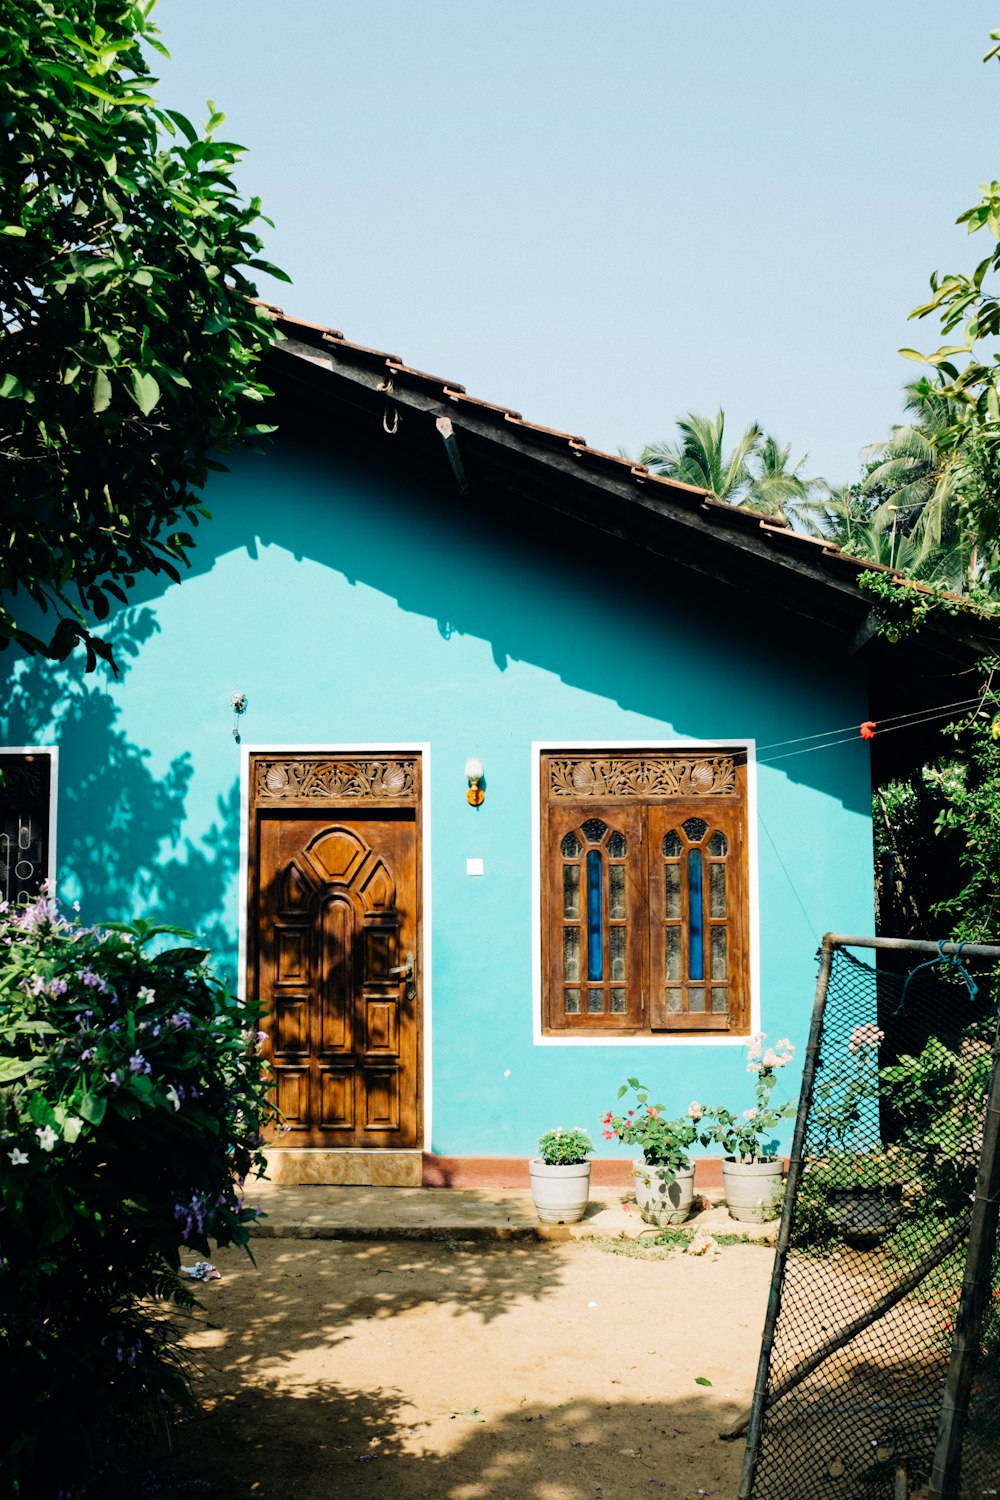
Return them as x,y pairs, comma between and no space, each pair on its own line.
868,729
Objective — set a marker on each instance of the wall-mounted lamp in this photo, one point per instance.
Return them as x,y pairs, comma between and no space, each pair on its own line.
475,796
238,704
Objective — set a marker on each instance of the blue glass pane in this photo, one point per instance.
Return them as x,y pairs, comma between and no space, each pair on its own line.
696,931
595,911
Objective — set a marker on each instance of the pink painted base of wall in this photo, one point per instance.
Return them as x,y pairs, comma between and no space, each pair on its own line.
512,1172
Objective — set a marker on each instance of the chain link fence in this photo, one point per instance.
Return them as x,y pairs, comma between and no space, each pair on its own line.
880,1365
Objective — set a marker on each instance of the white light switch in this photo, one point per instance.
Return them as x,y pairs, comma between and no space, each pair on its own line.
473,867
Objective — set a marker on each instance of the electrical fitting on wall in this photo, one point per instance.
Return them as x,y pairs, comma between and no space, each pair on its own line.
475,796
238,704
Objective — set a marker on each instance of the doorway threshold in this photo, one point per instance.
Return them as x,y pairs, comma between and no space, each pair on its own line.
302,1166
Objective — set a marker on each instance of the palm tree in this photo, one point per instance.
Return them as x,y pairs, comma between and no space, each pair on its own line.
917,481
776,489
928,490
844,517
755,474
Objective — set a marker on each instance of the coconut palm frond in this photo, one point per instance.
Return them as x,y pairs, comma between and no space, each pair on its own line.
699,457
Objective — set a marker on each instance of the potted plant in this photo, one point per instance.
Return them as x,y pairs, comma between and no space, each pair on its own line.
751,1172
560,1176
664,1176
854,1179
856,1198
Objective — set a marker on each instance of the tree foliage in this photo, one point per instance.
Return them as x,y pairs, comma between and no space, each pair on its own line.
929,491
129,345
132,1100
968,308
756,473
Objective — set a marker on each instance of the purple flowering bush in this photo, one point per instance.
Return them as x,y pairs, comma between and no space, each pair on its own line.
132,1102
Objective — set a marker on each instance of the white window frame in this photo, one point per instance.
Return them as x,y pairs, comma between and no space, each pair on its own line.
52,751
606,746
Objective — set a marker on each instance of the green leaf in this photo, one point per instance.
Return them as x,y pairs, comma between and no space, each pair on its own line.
92,1107
184,124
185,957
15,1067
16,231
10,385
70,1124
702,1380
123,100
145,391
102,391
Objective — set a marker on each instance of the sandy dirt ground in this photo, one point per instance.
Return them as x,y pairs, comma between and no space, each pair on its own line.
519,1370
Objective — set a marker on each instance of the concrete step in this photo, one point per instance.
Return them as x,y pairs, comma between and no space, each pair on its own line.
367,1212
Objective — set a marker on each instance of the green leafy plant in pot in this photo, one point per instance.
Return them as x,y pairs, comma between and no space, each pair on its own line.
560,1176
751,1171
664,1176
851,1188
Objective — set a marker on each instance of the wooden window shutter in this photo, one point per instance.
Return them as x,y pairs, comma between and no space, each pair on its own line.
644,892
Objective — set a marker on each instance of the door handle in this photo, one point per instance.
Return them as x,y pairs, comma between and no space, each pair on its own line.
406,972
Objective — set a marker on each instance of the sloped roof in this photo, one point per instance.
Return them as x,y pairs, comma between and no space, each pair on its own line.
485,443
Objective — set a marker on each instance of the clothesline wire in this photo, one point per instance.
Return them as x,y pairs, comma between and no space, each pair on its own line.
847,738
852,729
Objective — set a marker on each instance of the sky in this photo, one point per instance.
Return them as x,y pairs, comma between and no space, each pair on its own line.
608,213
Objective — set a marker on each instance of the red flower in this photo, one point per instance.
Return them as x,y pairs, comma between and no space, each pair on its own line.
868,730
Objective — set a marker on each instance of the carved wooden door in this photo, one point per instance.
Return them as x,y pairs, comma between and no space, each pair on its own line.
335,889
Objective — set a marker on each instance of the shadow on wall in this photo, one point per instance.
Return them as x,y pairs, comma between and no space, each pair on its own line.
628,628
120,815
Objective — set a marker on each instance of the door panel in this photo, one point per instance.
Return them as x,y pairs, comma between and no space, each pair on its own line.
334,910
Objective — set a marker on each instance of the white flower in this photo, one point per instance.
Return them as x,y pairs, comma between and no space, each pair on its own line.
695,1110
867,1035
749,1114
47,1137
18,1158
174,1097
756,1044
784,1045
147,994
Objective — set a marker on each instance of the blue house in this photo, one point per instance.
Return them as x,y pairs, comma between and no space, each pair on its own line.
500,769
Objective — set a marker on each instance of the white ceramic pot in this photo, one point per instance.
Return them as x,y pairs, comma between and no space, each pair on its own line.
663,1198
560,1194
752,1188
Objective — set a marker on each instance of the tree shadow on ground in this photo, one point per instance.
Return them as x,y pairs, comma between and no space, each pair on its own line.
270,1445
417,1371
304,1293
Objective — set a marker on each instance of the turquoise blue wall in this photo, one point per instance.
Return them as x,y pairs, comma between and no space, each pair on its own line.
354,609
